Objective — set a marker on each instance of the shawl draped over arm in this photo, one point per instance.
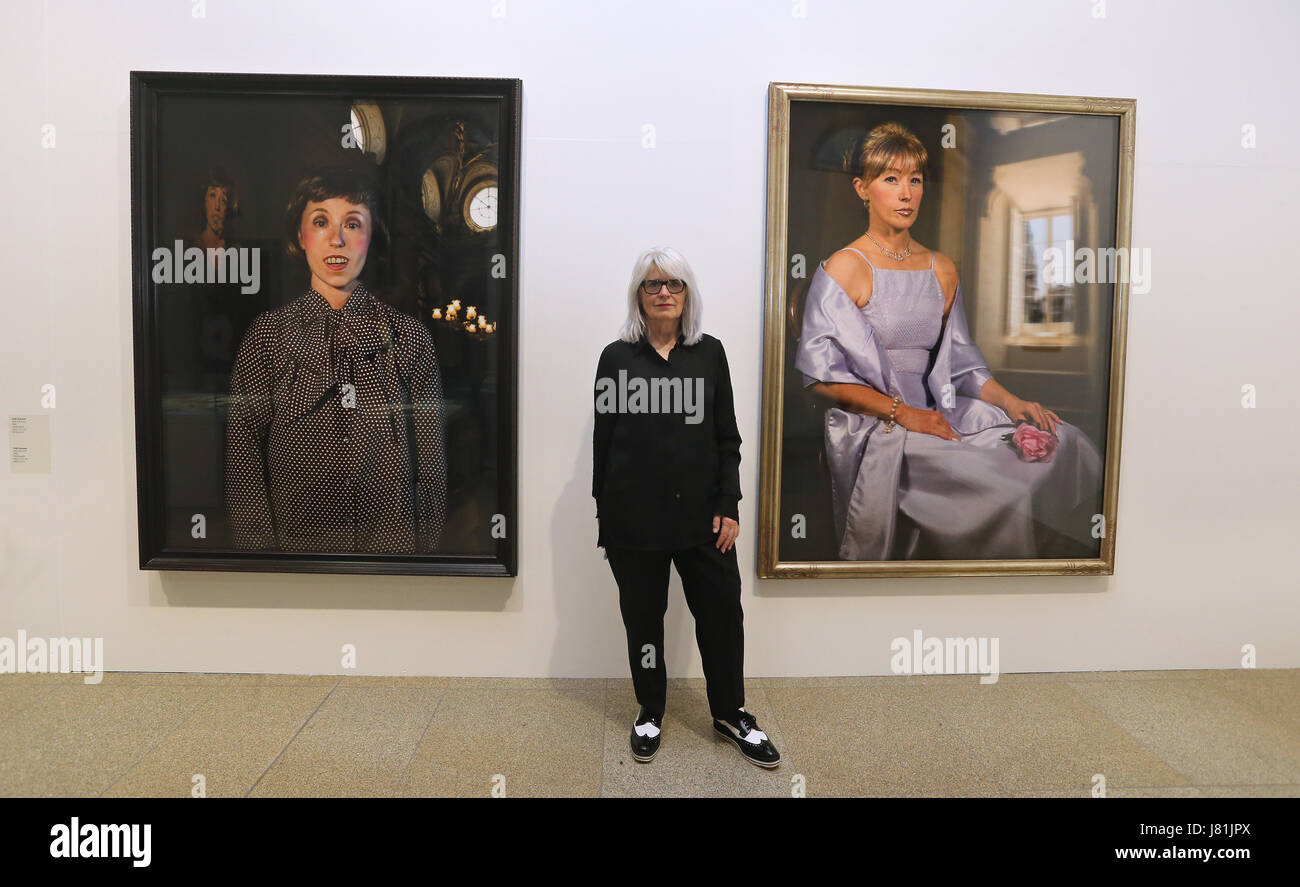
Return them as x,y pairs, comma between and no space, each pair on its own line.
838,344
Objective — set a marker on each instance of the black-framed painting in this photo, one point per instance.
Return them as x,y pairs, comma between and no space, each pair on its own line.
948,276
325,276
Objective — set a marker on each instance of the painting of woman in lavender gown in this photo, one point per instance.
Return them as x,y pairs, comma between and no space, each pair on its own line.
950,282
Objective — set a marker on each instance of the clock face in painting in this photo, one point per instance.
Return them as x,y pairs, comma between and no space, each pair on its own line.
431,195
368,131
481,206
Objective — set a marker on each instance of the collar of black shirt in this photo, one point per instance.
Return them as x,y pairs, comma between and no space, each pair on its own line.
644,344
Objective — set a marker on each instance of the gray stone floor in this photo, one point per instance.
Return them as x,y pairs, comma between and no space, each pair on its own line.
1149,733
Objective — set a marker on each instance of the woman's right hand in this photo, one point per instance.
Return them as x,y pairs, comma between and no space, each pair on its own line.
924,421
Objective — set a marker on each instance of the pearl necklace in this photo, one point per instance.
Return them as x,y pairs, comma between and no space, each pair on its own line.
893,254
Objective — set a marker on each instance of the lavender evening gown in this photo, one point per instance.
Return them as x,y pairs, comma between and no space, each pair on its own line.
963,500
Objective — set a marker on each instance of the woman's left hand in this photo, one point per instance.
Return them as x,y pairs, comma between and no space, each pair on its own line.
727,530
1034,412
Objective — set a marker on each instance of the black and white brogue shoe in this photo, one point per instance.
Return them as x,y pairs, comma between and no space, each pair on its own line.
645,735
742,729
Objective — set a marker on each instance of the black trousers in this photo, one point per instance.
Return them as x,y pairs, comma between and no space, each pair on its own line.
711,582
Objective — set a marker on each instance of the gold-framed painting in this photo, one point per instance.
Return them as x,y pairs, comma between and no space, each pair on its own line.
947,285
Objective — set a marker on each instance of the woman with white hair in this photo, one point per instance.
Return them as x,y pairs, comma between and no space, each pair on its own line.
666,479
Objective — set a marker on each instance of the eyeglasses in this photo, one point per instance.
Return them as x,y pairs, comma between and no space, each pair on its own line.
653,286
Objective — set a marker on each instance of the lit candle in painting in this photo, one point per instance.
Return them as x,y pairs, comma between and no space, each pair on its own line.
437,313
471,312
482,321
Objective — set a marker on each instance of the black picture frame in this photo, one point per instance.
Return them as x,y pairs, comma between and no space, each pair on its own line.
482,461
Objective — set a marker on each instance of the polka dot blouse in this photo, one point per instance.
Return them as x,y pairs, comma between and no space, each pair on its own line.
335,435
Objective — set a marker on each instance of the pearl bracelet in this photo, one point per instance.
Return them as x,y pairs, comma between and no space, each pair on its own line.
893,411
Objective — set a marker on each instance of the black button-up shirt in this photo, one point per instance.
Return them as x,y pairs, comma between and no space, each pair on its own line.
666,449
334,440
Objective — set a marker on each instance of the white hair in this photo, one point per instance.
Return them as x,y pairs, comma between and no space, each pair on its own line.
668,261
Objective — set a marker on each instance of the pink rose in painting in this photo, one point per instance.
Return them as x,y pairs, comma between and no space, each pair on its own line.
1034,444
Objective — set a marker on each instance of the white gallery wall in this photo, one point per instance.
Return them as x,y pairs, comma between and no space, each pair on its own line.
1208,522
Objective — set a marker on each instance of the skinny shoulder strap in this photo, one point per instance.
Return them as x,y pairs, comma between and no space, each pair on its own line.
859,252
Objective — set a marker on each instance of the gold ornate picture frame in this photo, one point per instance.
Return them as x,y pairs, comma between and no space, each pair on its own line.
1034,200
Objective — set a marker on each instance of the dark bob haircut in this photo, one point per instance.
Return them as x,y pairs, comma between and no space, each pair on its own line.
353,184
216,177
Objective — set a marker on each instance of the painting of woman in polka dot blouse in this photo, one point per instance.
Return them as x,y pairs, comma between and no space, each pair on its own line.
335,437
